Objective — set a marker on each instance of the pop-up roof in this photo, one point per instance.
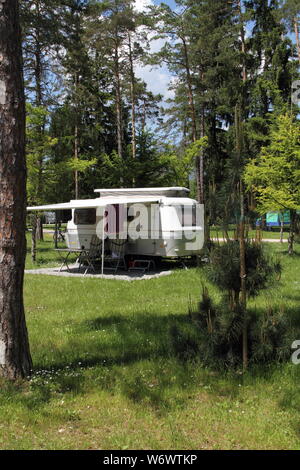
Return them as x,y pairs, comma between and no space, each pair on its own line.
168,192
117,196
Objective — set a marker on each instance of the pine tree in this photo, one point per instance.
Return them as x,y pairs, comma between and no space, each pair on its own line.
15,360
275,173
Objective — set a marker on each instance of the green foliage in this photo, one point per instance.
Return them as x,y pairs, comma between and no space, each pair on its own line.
224,268
81,60
220,331
275,173
220,326
38,150
80,165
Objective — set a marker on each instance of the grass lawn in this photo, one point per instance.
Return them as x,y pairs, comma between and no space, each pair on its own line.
106,376
266,234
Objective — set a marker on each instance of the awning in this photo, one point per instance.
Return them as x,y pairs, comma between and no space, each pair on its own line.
94,203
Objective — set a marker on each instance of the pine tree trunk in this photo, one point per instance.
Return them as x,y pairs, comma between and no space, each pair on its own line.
281,228
118,103
133,99
296,27
200,173
33,237
76,155
15,360
243,275
39,229
190,90
239,141
38,232
76,137
292,233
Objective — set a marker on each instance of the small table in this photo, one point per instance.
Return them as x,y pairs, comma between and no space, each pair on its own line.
69,251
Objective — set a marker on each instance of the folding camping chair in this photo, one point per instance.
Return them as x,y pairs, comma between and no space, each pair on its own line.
89,257
116,258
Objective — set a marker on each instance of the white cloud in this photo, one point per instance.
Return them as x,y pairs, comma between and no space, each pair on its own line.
141,5
158,79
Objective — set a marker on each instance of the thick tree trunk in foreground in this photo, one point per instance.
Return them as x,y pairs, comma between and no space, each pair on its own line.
15,360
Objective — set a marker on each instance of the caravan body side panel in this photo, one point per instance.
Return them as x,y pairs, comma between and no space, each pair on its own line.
164,234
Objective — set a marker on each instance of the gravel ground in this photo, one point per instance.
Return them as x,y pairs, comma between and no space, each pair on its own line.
131,276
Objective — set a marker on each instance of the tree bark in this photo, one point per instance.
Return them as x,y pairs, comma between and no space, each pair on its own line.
292,233
133,98
39,228
33,237
281,227
15,360
118,103
296,27
76,155
37,233
190,89
239,141
76,137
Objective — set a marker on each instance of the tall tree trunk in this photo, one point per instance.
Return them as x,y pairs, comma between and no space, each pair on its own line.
39,228
239,141
38,233
296,27
281,227
76,156
33,237
292,233
201,196
243,275
118,103
200,157
132,97
15,360
76,137
190,89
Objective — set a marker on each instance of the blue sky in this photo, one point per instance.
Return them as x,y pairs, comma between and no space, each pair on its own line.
158,78
171,3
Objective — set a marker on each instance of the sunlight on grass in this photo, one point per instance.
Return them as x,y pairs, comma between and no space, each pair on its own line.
106,375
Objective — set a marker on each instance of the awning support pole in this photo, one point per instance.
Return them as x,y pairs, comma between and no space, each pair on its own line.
103,240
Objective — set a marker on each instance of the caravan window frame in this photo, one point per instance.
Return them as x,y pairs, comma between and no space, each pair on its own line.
181,213
88,219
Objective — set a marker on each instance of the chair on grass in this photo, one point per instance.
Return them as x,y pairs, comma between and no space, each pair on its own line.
116,258
89,257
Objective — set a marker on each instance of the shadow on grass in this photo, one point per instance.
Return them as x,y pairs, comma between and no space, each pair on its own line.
140,360
132,339
289,399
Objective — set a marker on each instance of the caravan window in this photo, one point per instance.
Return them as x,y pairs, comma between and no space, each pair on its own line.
85,217
187,215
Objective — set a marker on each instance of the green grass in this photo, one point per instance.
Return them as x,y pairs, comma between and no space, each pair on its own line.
216,232
46,255
106,376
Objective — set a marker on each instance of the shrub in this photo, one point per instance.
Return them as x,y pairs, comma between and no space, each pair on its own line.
224,268
220,331
220,327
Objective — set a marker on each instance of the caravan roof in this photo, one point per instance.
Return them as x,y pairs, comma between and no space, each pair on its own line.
123,196
168,192
94,203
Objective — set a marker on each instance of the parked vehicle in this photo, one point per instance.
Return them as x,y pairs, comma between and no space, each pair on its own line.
153,222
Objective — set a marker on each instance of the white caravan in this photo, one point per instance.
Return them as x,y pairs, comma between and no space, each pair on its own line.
154,222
